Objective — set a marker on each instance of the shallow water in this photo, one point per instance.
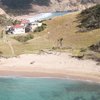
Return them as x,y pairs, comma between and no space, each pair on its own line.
47,89
45,16
55,14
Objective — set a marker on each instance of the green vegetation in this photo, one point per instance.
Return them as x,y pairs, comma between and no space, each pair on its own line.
42,28
24,38
78,53
95,47
1,35
90,18
4,21
90,21
61,34
16,22
1,52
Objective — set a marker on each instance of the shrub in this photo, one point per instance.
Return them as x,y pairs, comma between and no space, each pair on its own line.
24,38
77,53
1,34
95,47
90,18
39,29
4,21
16,22
1,52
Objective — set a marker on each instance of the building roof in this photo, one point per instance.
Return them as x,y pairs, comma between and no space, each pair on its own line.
24,21
18,26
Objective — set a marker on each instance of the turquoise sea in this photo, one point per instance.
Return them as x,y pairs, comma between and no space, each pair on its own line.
49,15
47,89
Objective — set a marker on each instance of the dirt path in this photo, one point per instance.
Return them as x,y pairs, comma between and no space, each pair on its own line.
8,42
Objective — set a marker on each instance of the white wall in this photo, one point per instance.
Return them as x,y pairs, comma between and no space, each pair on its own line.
19,31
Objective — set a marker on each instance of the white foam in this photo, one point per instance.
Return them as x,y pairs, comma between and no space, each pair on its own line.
39,17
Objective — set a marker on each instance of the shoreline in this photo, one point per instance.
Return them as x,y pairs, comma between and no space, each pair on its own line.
34,15
10,74
50,65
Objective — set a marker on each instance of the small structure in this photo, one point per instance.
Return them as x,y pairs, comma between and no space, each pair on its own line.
24,27
24,23
32,26
35,25
16,29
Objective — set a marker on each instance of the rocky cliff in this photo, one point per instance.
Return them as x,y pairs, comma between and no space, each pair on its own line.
24,6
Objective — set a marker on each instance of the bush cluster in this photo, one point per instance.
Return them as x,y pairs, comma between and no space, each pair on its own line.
4,21
95,47
39,29
90,18
16,22
24,38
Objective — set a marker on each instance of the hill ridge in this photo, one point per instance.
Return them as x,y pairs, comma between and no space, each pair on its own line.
34,6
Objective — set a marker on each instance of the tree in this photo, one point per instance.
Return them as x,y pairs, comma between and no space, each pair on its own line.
60,42
90,18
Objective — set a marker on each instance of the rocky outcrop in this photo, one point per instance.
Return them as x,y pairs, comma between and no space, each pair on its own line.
2,12
72,4
63,5
20,6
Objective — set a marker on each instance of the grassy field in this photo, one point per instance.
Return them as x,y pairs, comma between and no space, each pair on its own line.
61,27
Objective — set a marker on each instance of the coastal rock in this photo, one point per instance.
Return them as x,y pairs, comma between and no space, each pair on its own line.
2,12
37,6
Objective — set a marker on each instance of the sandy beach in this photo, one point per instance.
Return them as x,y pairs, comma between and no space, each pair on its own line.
50,65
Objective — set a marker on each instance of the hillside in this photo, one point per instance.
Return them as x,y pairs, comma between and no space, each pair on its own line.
4,19
62,34
66,29
34,6
90,18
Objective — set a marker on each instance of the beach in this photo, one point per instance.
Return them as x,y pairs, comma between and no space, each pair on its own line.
43,16
56,64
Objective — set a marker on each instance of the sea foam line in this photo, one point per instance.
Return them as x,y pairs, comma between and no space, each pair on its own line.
40,17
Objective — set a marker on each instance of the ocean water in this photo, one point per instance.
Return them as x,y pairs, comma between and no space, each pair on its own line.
56,14
47,89
45,16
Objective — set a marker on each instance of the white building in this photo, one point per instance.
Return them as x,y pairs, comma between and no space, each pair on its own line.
35,25
18,29
23,27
